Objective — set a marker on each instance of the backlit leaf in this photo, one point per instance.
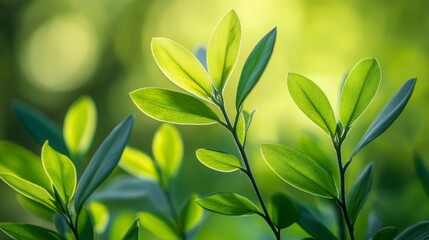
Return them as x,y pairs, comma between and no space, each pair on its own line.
359,193
28,232
228,204
138,164
240,128
163,228
283,210
100,216
167,148
191,214
418,231
133,231
219,161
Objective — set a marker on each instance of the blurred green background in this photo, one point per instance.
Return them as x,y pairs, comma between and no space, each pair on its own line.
52,52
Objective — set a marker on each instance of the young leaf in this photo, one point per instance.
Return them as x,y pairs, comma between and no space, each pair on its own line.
240,128
100,216
138,164
313,226
60,171
182,67
191,214
40,127
223,48
283,210
133,231
359,193
388,115
174,107
167,148
163,228
254,66
422,172
386,233
200,53
418,231
35,208
28,232
228,204
358,90
29,189
103,162
312,101
219,161
79,126
299,170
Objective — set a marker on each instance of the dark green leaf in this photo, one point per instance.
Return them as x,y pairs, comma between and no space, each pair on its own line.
387,233
62,226
228,204
422,172
85,227
28,232
103,162
283,210
375,224
388,115
359,193
418,231
191,214
219,161
254,66
313,226
133,231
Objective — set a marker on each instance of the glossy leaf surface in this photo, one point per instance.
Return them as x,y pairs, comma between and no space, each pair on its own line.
228,204
219,161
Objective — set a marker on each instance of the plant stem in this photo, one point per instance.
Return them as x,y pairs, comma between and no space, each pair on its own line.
69,222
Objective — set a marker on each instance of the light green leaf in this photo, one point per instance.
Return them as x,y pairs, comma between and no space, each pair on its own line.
254,66
223,49
28,232
123,221
133,231
312,102
359,89
418,231
60,171
228,204
138,164
240,128
219,161
29,189
388,115
35,208
182,67
79,126
359,193
167,148
313,226
283,211
163,228
100,216
191,214
173,107
422,172
386,233
299,170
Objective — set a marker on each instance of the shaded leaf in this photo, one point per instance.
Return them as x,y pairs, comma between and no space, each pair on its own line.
191,214
313,226
312,102
418,231
359,193
359,89
62,226
138,164
219,161
174,107
228,204
28,232
375,224
163,228
85,226
167,148
387,233
35,208
422,172
133,231
254,66
388,115
283,210
299,170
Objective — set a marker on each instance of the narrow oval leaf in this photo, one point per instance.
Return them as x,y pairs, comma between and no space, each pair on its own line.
240,128
386,233
388,115
313,226
223,49
39,126
312,102
28,232
228,204
79,126
173,107
418,231
283,211
35,208
103,162
60,171
163,228
138,164
299,170
422,172
191,214
359,89
167,148
29,190
133,231
182,67
219,161
254,66
359,193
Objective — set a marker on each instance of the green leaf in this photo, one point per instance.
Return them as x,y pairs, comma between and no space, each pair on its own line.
40,127
138,164
79,126
133,231
85,227
374,225
299,170
219,161
359,193
359,89
60,171
240,128
28,232
228,204
182,67
223,48
173,107
418,231
254,66
387,233
35,208
312,102
100,216
29,189
103,162
313,226
162,227
283,211
422,172
167,148
191,214
313,147
388,115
